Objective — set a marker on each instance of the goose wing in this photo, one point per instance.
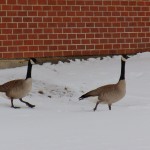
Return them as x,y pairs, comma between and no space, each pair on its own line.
11,84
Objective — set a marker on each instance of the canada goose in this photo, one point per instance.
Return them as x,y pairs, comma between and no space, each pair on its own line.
17,89
109,94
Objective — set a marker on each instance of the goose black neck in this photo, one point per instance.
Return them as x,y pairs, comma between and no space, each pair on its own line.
122,75
29,69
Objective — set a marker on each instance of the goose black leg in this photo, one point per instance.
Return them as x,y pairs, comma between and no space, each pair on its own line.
12,105
109,106
96,106
28,104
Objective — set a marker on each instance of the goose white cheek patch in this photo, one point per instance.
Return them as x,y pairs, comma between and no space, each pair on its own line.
32,62
123,59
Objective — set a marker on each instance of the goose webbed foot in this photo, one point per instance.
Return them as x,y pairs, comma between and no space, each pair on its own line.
28,104
12,105
15,107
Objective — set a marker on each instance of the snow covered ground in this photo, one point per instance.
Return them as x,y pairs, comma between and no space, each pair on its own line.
61,122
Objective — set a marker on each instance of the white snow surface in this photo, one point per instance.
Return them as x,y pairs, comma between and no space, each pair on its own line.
61,122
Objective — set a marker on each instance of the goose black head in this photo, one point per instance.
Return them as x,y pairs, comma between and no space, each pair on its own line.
124,57
33,61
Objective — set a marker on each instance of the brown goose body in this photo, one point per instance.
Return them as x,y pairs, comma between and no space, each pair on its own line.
17,88
111,93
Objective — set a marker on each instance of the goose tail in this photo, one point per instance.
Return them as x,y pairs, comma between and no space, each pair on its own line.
2,89
89,94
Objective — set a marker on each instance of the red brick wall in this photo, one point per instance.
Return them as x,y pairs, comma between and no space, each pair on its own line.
42,28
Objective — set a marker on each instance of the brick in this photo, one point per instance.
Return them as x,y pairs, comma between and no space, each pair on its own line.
27,19
57,19
22,48
90,47
76,19
22,25
28,54
18,55
28,42
77,53
62,36
43,48
25,2
70,2
104,52
85,41
17,42
37,8
39,54
67,53
6,19
42,2
95,52
61,2
32,13
108,46
17,31
22,13
71,13
53,48
48,30
94,8
3,25
58,42
48,54
97,2
22,36
81,36
11,1
11,25
38,42
12,37
42,25
2,13
48,42
11,13
116,46
33,2
76,41
12,49
47,19
43,36
86,53
67,42
58,53
41,13
17,19
81,47
32,25
8,55
6,7
3,1
62,47
124,3
104,41
33,48
27,8
107,2
6,31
